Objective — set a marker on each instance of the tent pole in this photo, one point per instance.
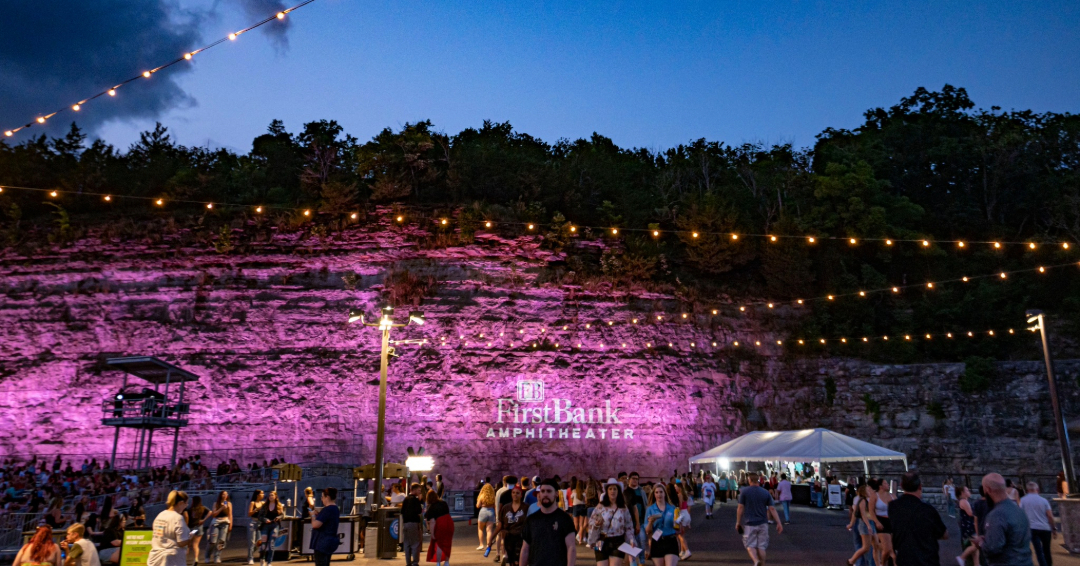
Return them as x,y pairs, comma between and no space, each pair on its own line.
905,464
866,469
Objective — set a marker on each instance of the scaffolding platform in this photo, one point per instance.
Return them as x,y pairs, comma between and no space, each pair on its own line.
145,409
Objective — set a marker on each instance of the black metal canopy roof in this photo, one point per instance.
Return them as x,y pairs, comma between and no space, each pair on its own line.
151,369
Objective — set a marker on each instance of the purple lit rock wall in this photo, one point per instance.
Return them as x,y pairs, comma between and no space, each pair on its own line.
265,330
281,371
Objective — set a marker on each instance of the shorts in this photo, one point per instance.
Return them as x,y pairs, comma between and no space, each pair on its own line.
756,536
608,549
709,502
580,510
886,525
666,545
487,515
866,530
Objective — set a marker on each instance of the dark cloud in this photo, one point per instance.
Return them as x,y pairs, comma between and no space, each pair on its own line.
276,30
54,53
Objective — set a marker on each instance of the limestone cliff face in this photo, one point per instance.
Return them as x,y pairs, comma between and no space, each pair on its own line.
264,326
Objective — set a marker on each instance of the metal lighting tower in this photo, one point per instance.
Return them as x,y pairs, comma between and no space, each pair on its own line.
1036,316
385,324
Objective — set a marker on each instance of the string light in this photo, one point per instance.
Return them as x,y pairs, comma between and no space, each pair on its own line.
811,239
307,213
353,216
997,245
53,194
1031,245
926,243
530,226
209,205
258,209
107,198
960,244
400,219
487,224
852,241
929,285
888,242
655,233
614,231
734,236
772,238
695,234
159,202
146,74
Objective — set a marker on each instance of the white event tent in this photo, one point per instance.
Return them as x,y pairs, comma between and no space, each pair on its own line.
810,445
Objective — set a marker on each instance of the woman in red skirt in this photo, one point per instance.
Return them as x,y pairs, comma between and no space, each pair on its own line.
441,527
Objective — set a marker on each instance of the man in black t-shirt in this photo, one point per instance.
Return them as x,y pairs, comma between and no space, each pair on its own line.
411,531
548,536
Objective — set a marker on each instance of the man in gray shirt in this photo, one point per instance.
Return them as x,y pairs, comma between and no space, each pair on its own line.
752,519
1007,538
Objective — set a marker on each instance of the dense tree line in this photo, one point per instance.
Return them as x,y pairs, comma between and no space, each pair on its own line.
932,166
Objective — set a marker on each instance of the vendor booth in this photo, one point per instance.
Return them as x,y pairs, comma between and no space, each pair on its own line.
810,445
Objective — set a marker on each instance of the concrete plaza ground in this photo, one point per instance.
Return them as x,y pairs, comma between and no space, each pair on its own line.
815,537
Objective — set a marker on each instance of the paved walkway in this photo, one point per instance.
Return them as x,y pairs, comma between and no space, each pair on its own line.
815,537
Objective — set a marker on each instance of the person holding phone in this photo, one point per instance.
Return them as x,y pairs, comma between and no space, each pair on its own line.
171,538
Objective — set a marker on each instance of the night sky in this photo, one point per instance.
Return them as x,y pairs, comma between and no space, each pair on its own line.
645,74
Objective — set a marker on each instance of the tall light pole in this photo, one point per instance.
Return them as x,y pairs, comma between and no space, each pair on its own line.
384,324
1036,316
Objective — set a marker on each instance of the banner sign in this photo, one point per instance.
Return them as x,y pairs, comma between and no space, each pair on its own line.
135,550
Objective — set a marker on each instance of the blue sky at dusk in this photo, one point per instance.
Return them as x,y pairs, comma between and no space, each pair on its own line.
646,74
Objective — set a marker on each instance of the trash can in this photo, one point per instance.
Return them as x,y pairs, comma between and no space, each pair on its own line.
389,521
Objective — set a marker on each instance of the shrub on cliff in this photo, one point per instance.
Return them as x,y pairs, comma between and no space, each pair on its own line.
978,374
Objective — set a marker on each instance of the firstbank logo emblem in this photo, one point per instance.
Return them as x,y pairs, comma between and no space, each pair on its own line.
530,391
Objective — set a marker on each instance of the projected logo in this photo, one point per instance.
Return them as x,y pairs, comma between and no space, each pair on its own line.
530,391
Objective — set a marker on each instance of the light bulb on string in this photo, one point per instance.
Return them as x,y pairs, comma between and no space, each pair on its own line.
1031,245
811,239
960,244
895,289
232,37
159,202
772,238
281,15
888,242
307,213
1065,245
112,92
209,205
1003,275
258,209
53,194
353,216
734,236
530,226
614,231
187,56
9,133
41,120
926,243
108,198
695,234
75,107
852,241
997,245
400,219
655,233
573,228
487,224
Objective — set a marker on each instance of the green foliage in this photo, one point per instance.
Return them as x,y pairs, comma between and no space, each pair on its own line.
706,228
978,374
63,233
872,406
223,244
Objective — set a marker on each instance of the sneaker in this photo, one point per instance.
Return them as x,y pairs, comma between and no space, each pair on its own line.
961,561
250,561
481,547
